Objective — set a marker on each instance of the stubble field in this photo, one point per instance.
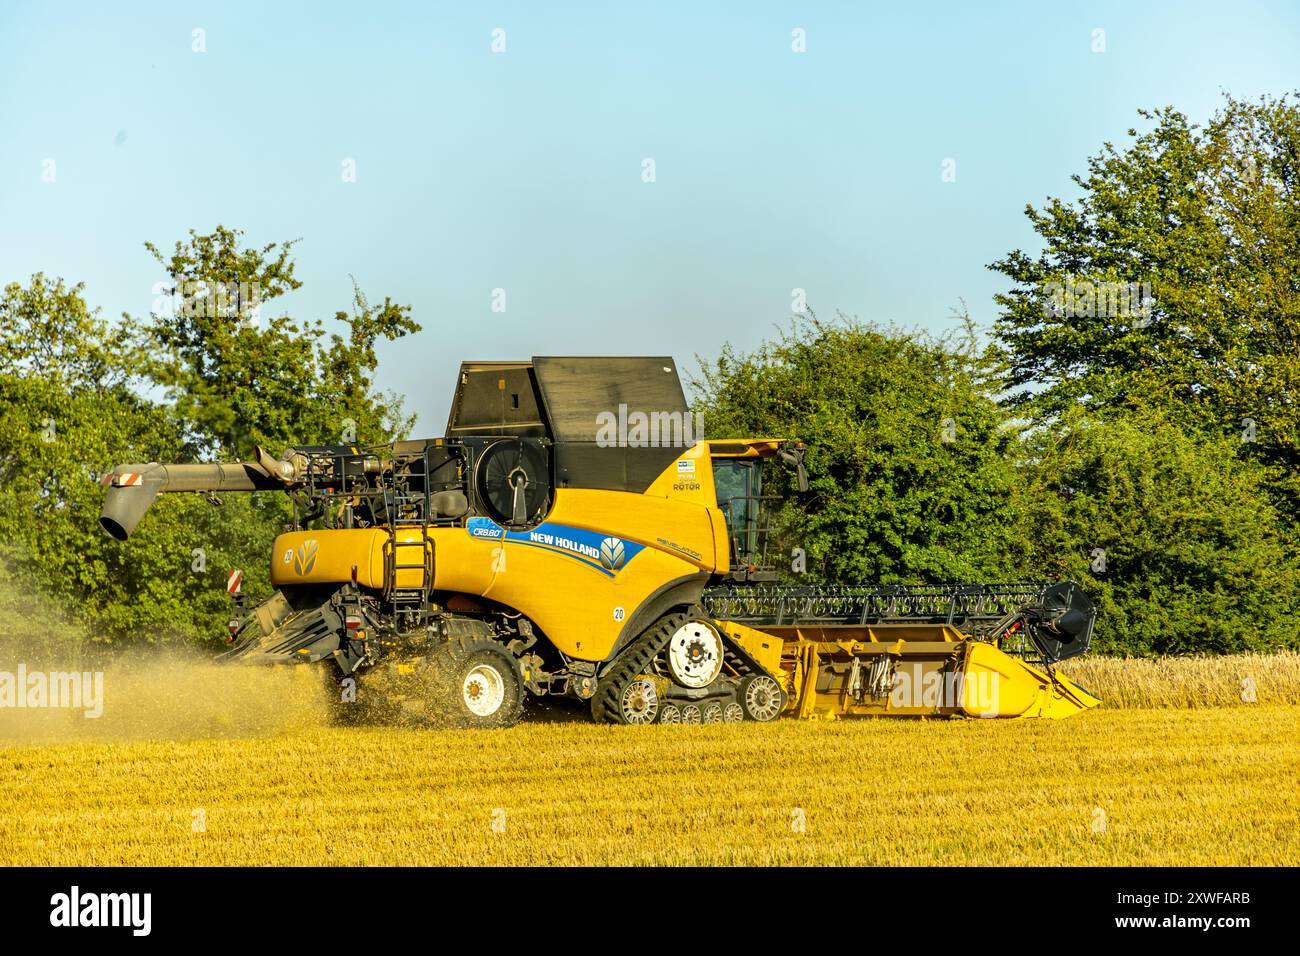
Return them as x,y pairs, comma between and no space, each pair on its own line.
252,776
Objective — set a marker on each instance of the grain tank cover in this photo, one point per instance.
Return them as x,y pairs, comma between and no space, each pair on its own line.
578,391
617,423
496,398
593,408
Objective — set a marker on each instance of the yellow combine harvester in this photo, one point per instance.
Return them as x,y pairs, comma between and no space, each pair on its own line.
571,535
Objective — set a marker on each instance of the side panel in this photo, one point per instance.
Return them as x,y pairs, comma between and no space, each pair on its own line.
689,477
581,575
327,557
583,572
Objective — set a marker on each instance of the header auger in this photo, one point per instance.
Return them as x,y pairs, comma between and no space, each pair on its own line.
573,535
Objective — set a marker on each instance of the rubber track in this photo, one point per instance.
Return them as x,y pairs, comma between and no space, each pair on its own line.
746,666
638,656
740,660
629,664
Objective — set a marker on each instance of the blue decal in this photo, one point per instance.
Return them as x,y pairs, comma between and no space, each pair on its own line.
605,553
484,528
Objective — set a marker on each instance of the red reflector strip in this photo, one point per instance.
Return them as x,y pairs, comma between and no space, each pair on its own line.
123,480
233,580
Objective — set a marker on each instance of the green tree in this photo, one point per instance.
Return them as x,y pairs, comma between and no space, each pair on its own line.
48,332
909,460
239,378
66,415
1173,538
73,405
1204,220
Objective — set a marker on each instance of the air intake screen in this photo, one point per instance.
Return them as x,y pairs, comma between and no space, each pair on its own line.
514,481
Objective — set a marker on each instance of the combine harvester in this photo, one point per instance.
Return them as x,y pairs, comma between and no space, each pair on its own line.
569,536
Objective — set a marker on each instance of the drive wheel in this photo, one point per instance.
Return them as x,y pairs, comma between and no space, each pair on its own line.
762,697
475,684
695,654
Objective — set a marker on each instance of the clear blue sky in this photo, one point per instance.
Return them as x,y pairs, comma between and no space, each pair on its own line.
523,170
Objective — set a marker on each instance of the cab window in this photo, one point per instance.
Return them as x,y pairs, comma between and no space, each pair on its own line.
738,482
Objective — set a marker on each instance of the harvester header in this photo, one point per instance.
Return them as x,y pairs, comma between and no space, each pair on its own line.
574,534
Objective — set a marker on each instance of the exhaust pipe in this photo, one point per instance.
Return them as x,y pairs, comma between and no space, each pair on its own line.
133,488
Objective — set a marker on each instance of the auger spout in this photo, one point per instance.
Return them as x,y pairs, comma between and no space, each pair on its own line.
132,489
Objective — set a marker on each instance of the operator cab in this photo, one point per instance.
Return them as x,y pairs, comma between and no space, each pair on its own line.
738,480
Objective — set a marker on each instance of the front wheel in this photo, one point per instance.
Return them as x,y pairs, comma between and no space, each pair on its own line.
475,684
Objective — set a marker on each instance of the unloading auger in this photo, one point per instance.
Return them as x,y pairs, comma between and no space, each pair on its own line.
572,535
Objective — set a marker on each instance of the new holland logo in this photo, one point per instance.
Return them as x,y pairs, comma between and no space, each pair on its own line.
304,559
612,554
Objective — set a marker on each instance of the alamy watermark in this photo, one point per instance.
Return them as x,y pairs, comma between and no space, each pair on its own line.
638,429
68,690
75,908
200,298
917,686
1086,298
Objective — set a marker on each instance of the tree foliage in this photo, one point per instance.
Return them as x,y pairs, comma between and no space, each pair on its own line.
239,378
1206,219
1173,537
77,396
909,458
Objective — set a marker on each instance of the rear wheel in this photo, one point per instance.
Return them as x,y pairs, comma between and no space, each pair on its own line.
475,683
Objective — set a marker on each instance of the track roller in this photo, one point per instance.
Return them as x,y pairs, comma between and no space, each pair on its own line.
761,697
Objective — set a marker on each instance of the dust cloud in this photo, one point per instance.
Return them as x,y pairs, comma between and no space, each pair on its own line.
158,695
57,683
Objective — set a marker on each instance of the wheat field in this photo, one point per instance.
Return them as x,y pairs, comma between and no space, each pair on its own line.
205,773
1225,681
